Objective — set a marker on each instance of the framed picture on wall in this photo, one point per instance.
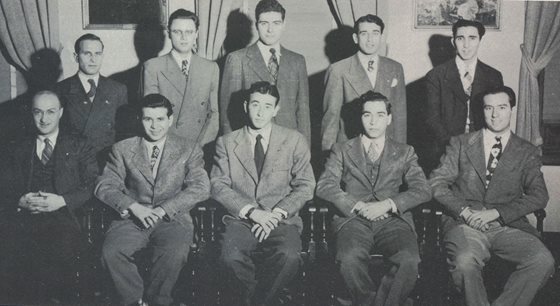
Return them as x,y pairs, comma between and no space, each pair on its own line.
434,14
122,14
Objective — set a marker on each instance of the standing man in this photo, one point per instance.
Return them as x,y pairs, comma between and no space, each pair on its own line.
51,176
92,100
189,81
454,87
152,182
266,60
263,177
348,79
488,181
375,213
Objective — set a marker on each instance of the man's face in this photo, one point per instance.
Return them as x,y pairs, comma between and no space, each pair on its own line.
183,34
497,112
368,37
156,122
261,108
90,57
270,27
467,42
375,119
46,112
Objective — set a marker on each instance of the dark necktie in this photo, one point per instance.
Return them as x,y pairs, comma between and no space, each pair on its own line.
259,154
370,67
273,64
92,90
372,153
468,91
47,152
153,159
495,154
185,67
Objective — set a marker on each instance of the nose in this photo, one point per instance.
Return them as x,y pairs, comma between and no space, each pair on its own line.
42,117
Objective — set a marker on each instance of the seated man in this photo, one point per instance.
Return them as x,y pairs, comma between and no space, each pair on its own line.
152,182
488,181
51,176
363,178
263,177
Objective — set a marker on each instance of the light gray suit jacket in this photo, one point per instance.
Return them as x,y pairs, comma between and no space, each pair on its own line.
195,101
180,183
286,181
345,82
345,180
517,187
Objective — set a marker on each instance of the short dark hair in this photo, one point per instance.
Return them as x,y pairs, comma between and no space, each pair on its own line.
154,101
468,23
87,36
183,14
48,93
500,89
265,88
372,96
371,19
265,6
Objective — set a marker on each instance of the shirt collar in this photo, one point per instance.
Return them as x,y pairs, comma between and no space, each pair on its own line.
264,132
265,50
490,137
364,58
463,67
84,79
379,142
53,137
150,145
179,58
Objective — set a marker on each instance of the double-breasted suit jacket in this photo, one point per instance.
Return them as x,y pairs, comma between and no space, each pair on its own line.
345,180
180,183
195,100
517,187
286,180
245,67
346,81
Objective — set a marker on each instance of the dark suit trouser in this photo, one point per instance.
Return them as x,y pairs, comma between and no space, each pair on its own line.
169,242
469,249
280,255
395,240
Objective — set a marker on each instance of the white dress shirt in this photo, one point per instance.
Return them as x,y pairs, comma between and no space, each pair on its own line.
41,142
179,58
364,60
150,148
490,139
84,80
265,52
463,68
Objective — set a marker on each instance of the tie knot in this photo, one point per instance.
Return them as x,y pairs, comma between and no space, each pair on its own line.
47,141
370,65
259,138
498,139
91,82
273,51
155,152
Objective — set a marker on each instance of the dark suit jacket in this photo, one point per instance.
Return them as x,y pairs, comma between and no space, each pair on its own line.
446,114
195,102
181,181
286,181
245,67
74,176
517,187
346,81
98,123
345,180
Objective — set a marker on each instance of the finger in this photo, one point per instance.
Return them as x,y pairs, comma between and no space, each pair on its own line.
255,227
144,224
258,231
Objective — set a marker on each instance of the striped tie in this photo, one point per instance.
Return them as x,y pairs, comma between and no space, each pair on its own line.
273,65
495,154
47,152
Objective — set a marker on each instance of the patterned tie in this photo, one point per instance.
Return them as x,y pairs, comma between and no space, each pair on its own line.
259,154
273,64
185,67
370,65
468,91
372,153
47,152
92,90
495,154
153,159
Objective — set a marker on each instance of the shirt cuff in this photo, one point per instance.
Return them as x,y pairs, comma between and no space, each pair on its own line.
281,211
244,211
394,208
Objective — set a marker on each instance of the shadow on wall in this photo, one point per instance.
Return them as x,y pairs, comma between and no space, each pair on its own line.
440,51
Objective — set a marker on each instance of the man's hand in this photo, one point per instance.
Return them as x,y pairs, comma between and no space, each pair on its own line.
265,222
41,202
358,207
479,219
375,211
147,216
24,200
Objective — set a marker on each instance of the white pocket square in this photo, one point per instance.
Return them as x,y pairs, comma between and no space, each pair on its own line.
394,82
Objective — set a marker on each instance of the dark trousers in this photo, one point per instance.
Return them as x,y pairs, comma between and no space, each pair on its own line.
39,257
278,256
395,240
169,243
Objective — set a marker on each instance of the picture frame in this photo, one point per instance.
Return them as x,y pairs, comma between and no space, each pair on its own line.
122,14
441,14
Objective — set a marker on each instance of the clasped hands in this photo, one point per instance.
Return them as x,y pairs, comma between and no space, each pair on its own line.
41,202
265,222
373,211
147,216
479,219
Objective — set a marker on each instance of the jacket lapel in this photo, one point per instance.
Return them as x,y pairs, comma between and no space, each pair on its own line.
356,153
191,87
174,75
100,105
243,152
388,159
475,153
285,65
170,154
453,80
25,155
80,103
274,147
140,159
381,84
508,159
357,77
257,64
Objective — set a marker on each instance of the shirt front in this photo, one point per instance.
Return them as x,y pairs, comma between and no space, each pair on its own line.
150,149
41,142
265,52
84,78
264,132
180,58
378,143
489,139
463,68
364,60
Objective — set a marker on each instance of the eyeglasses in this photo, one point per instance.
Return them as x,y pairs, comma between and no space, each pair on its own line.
49,112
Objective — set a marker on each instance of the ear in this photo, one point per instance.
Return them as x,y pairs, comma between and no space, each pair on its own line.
276,109
61,112
355,38
170,120
76,57
453,42
245,106
389,119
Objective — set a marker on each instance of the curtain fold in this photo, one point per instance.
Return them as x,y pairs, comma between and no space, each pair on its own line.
541,41
347,11
26,27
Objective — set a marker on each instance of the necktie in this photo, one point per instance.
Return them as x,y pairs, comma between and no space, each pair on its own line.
259,154
372,153
153,159
273,64
47,152
92,90
468,78
370,65
185,67
495,154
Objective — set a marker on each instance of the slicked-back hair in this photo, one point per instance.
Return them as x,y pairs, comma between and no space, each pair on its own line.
265,6
468,23
265,88
48,93
371,19
155,101
183,14
372,96
500,89
87,36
